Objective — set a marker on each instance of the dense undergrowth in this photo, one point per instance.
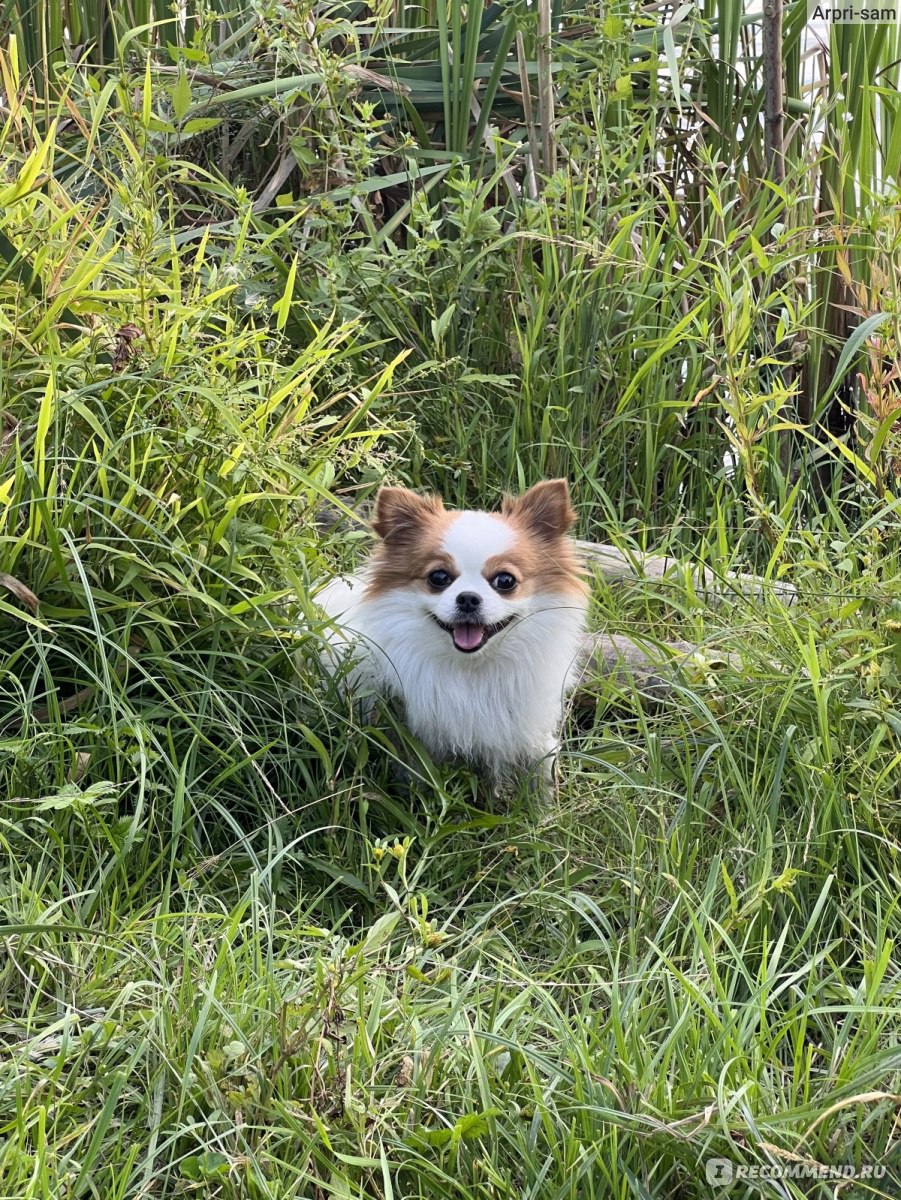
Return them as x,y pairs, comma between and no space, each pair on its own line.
237,958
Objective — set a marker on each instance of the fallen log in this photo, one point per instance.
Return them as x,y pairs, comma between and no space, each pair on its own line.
652,667
614,563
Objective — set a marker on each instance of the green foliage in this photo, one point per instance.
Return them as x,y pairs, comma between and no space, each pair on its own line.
241,282
160,475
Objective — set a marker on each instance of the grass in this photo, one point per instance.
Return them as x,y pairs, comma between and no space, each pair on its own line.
236,959
312,987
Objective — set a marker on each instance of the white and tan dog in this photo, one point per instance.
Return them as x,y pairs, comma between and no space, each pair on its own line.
474,621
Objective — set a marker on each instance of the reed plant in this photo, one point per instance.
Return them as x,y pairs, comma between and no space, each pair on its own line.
240,285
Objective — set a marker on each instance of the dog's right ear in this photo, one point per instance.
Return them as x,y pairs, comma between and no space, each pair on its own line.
544,509
399,512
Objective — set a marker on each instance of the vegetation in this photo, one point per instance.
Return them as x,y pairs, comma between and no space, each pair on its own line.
251,263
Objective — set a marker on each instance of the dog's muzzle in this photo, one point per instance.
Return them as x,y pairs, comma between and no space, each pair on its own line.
470,636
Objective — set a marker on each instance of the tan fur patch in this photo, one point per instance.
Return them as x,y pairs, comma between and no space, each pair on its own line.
540,567
411,529
549,560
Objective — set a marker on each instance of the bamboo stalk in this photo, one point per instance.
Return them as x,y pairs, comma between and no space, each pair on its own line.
546,89
532,161
613,563
774,116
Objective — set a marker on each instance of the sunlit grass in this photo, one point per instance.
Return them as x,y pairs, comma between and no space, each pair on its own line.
237,956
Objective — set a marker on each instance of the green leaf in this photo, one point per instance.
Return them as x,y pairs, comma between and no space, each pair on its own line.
475,1125
379,934
200,124
440,326
282,306
158,125
466,1128
864,330
181,95
72,796
209,1165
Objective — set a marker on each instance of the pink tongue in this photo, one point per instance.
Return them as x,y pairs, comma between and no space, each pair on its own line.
468,637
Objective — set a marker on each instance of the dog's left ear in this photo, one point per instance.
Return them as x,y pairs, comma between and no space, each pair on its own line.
400,513
544,509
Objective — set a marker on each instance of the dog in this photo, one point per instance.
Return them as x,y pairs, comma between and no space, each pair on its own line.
474,621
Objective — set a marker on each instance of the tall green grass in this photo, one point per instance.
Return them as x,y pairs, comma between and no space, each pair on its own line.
355,126
236,958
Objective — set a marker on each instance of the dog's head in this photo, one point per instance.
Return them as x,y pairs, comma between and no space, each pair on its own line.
474,574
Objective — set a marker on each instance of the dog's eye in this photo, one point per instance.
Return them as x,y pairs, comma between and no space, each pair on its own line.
503,582
439,579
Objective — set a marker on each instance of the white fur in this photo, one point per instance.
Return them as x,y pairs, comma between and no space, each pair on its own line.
500,706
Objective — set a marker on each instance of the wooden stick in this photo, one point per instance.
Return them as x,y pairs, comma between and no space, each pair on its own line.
651,666
619,656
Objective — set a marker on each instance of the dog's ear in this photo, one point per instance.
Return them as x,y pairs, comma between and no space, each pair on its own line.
544,509
398,511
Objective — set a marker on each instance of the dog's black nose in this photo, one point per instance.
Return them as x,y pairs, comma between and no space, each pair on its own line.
468,602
